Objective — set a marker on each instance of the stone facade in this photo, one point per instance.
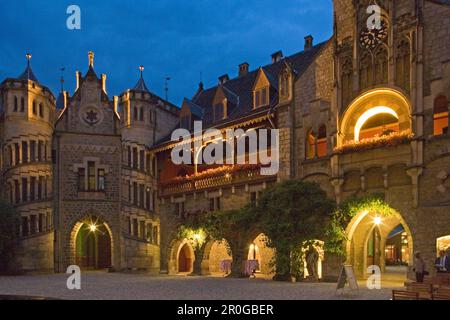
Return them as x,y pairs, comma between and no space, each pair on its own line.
318,107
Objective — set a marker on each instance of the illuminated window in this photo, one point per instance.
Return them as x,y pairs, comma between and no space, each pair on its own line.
377,121
440,115
91,176
310,145
101,179
322,142
261,97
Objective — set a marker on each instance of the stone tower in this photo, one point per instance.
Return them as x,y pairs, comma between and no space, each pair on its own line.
26,137
142,114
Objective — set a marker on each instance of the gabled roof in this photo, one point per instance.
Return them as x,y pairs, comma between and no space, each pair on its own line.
195,109
60,101
242,87
239,91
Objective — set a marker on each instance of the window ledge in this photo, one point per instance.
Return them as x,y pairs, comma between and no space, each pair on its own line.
92,195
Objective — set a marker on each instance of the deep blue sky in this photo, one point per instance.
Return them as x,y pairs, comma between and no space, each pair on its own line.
180,39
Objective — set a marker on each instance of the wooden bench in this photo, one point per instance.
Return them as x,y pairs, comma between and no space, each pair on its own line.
423,289
441,296
404,295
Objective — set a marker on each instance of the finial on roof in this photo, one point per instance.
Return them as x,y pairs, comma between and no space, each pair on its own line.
140,85
91,59
28,73
28,55
62,78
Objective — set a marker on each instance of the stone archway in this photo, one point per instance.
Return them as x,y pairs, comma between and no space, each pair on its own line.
367,234
259,251
217,257
365,108
181,257
91,244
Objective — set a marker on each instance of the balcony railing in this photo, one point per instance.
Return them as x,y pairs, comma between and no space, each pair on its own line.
213,178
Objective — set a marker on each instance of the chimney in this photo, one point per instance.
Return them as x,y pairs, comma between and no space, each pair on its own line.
78,76
308,42
104,82
277,56
116,104
223,79
243,69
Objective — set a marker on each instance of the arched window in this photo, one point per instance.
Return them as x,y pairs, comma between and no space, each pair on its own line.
402,65
22,105
310,145
347,82
440,115
365,71
34,107
41,110
381,66
135,113
376,122
15,104
322,142
141,114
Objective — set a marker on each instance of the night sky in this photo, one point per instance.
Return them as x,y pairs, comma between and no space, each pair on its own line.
180,39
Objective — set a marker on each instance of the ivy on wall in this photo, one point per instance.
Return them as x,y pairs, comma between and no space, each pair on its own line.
335,232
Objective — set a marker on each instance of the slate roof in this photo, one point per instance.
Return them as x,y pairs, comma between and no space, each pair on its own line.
140,85
239,91
28,74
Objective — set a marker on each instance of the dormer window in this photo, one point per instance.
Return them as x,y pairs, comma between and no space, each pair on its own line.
261,97
185,122
219,112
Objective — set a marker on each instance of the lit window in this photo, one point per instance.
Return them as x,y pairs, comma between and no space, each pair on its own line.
261,97
440,115
322,142
101,179
91,176
310,145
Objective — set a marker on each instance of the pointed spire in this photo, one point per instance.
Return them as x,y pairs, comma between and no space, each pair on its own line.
91,59
28,73
140,85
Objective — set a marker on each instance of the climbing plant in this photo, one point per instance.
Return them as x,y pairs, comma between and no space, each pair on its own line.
345,212
293,213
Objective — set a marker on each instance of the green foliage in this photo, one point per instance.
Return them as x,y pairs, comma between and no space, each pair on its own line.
335,232
292,213
8,223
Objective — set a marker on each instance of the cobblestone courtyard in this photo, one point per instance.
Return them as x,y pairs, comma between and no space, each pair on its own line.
96,285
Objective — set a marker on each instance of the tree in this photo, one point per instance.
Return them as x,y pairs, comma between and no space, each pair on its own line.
293,213
8,224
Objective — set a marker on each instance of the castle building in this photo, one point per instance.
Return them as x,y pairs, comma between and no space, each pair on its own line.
365,112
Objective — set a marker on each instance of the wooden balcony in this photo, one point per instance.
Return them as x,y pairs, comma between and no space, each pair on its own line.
226,176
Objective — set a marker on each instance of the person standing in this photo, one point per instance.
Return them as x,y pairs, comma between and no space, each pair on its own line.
419,267
442,263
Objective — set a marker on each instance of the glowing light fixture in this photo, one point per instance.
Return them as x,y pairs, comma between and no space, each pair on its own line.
197,237
377,220
92,227
369,114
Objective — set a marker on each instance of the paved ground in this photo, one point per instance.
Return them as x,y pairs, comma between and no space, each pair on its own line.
97,285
